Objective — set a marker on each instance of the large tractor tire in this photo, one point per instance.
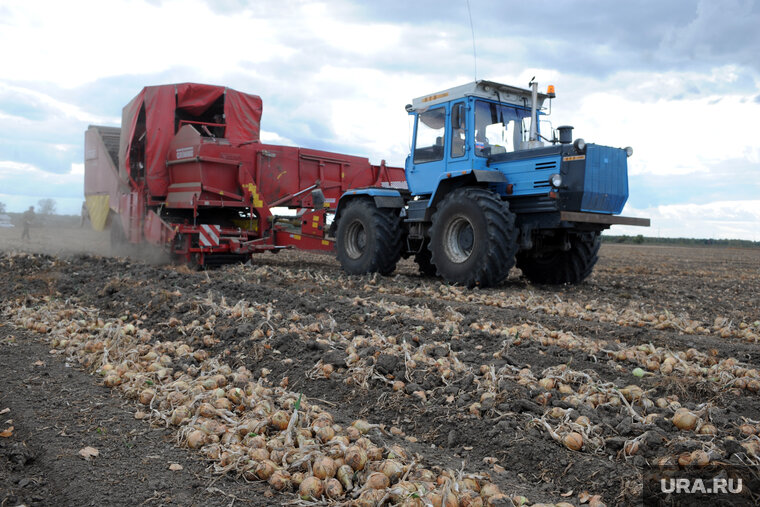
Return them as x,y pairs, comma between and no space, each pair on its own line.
558,267
423,258
368,239
473,239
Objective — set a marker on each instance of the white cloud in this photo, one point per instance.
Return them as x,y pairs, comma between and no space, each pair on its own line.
274,138
44,102
18,178
673,131
80,41
716,220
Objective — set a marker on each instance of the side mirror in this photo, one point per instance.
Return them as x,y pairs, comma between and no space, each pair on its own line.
456,117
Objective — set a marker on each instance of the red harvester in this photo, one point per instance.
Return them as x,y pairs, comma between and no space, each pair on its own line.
187,172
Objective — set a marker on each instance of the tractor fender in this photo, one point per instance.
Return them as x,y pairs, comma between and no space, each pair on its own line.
471,177
382,197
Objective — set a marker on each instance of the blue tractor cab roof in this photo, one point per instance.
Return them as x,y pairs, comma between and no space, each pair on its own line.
484,89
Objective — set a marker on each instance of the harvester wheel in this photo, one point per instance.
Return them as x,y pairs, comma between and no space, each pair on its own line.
473,238
423,260
558,267
368,239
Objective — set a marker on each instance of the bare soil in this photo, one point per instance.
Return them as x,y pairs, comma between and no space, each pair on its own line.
639,299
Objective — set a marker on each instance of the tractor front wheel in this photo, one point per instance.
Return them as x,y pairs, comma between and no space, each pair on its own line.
368,239
562,266
473,238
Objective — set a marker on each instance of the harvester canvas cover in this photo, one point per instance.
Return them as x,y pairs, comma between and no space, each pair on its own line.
155,110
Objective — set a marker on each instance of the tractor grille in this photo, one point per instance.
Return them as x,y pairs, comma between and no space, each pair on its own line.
606,181
549,167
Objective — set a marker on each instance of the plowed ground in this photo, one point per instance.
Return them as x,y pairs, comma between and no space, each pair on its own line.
481,371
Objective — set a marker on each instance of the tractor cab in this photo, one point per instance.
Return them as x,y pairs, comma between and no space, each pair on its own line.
461,128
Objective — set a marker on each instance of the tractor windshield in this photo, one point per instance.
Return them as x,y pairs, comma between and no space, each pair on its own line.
499,128
430,136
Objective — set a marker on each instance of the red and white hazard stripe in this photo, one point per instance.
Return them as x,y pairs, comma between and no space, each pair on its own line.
209,235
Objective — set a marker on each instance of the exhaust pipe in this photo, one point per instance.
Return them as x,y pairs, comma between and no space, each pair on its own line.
533,141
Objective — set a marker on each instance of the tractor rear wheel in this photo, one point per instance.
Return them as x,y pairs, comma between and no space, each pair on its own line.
562,266
473,239
369,238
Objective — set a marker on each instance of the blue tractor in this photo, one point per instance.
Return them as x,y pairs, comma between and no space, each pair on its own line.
487,191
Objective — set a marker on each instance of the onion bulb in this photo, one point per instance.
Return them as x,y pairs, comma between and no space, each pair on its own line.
325,433
362,425
279,420
324,468
374,453
146,396
179,415
573,441
356,458
370,498
311,488
333,488
708,429
700,458
345,475
685,420
265,469
280,480
207,410
196,439
489,489
258,454
377,480
392,469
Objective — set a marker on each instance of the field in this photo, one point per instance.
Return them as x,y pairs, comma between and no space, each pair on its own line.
431,394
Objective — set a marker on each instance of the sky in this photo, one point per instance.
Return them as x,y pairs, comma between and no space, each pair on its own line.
678,80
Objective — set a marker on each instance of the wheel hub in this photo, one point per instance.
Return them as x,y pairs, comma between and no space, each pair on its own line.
356,240
458,239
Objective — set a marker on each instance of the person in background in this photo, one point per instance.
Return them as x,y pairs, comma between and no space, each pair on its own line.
28,218
85,215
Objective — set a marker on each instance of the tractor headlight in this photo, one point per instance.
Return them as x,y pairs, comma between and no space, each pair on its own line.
555,180
628,151
580,145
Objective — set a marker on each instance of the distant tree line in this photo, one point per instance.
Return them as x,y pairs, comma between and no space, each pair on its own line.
645,240
45,206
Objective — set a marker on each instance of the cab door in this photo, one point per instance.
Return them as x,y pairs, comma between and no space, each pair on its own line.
458,153
429,149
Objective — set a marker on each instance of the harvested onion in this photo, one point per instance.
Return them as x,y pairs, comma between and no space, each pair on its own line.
356,458
685,420
311,488
573,441
324,468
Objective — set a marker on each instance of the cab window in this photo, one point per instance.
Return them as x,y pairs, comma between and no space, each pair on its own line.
499,128
429,145
458,129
